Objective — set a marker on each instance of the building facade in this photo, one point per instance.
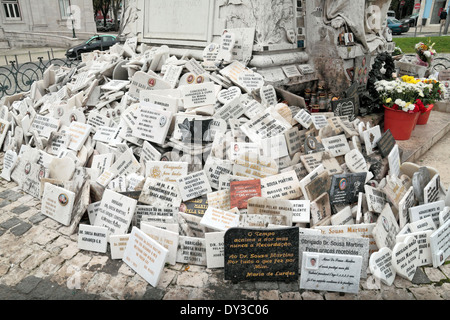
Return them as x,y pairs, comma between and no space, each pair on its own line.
46,22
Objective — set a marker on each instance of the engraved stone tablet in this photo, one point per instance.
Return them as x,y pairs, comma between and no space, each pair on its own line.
92,238
261,255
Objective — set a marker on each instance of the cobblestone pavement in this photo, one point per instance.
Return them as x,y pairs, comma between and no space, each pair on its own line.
39,260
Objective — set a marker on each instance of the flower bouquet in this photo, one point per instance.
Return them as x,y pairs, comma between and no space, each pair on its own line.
425,53
404,101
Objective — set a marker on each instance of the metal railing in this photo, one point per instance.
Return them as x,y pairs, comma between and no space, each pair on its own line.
15,78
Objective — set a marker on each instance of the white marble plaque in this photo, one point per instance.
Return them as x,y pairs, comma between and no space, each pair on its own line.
215,250
198,95
319,121
432,189
191,250
92,238
268,96
394,161
145,256
301,211
44,126
376,199
371,137
423,241
57,203
274,147
219,220
216,168
79,132
405,257
380,264
330,272
194,185
9,162
440,244
152,124
386,228
281,186
160,194
427,210
115,212
118,244
165,238
169,171
265,125
337,145
144,81
304,118
405,203
343,217
355,161
165,103
219,199
125,165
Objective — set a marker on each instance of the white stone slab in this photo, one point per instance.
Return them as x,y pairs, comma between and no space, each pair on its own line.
380,264
194,185
44,126
330,272
281,186
440,244
427,210
124,165
144,81
371,137
219,199
198,95
169,171
145,256
405,257
160,194
214,250
118,244
165,103
192,250
337,145
274,147
92,238
216,168
79,132
444,215
219,220
165,238
152,124
9,163
386,229
394,161
431,191
265,125
343,217
116,212
57,203
376,199
423,241
301,211
355,161
319,121
304,118
405,203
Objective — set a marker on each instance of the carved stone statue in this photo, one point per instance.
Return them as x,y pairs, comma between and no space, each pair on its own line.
365,19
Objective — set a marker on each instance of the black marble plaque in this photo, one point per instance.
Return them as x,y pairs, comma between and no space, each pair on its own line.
261,254
346,187
386,143
345,107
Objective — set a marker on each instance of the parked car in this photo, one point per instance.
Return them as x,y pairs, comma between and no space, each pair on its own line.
396,26
411,20
391,14
97,42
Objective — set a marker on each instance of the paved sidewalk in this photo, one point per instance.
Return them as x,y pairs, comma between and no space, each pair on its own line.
39,260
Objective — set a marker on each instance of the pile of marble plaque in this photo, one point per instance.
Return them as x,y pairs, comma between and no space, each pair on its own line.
162,155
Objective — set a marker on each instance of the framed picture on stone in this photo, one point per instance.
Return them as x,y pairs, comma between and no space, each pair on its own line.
345,107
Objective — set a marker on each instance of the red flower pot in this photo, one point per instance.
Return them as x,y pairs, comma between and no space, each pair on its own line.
423,117
400,123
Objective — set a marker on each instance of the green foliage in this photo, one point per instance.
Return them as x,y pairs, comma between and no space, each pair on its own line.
442,44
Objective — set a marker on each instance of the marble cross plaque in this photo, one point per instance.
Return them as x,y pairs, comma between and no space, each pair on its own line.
145,256
254,254
330,272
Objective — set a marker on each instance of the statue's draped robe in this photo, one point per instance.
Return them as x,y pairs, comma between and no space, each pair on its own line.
354,14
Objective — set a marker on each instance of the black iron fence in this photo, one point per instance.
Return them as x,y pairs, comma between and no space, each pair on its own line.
16,78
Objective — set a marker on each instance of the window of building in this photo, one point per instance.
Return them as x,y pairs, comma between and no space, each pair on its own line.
64,8
12,10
